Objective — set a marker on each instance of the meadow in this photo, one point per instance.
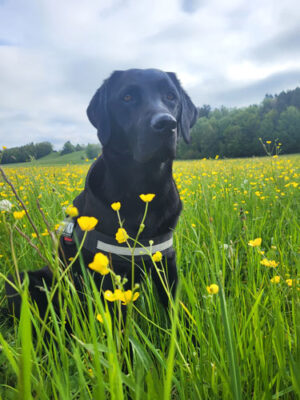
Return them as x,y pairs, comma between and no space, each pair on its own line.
233,332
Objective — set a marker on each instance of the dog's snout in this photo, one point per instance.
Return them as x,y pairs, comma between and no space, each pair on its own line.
163,122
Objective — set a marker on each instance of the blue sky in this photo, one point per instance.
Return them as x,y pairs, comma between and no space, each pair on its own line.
54,54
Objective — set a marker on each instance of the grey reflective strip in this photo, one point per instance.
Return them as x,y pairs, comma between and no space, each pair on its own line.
138,251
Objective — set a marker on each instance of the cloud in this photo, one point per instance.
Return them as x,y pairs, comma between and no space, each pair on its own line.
253,93
283,46
191,6
54,55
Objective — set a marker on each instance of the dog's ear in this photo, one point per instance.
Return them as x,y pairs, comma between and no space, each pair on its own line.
98,115
98,112
189,112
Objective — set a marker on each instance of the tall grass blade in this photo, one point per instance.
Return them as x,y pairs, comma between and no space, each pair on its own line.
231,348
24,379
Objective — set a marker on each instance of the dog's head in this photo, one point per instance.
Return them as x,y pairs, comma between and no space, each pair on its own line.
140,112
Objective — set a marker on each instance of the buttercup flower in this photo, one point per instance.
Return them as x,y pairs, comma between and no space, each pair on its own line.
128,296
156,257
121,235
147,197
87,223
72,211
289,282
275,279
116,206
19,214
110,296
212,289
100,264
99,318
125,297
255,242
269,263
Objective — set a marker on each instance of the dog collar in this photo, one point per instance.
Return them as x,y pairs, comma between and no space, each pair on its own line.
96,241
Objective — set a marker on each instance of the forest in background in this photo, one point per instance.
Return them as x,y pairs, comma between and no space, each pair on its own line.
226,132
236,132
35,151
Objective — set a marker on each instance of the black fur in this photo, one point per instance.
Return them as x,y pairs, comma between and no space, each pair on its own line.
138,115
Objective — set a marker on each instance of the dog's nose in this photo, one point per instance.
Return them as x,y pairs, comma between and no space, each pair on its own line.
163,122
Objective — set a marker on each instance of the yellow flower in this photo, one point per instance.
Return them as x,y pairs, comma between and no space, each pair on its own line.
87,223
121,235
19,214
125,297
128,296
4,147
156,257
254,242
99,318
217,156
116,206
147,197
269,141
100,264
289,282
109,295
269,263
275,279
34,235
212,289
72,211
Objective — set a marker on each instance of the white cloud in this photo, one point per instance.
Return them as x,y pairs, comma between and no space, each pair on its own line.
54,54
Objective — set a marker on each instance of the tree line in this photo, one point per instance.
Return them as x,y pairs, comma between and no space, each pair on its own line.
34,151
236,132
222,131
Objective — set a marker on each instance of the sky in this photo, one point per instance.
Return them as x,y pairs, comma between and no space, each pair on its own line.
54,54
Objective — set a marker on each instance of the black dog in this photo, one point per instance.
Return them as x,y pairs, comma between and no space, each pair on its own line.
138,115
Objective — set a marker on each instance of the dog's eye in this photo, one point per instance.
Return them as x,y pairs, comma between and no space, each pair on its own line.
171,96
127,97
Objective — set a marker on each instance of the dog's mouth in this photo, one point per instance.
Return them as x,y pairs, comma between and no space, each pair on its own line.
160,148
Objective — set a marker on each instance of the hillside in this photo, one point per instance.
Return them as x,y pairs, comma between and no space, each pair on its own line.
54,158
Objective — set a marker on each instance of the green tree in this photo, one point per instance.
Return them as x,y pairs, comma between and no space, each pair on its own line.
92,150
67,148
289,130
42,149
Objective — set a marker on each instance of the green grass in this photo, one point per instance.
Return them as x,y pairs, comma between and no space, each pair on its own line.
241,343
77,157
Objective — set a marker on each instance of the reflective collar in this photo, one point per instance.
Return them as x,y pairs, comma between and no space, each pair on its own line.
96,241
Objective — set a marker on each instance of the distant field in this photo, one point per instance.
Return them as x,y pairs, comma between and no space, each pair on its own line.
239,230
77,157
